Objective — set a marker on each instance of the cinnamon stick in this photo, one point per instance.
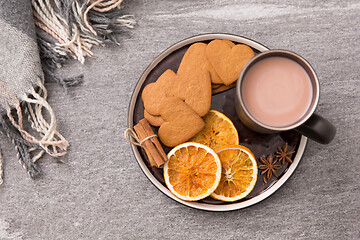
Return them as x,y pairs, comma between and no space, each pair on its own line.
152,146
160,157
146,145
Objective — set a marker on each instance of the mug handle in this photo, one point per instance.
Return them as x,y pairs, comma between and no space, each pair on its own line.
318,129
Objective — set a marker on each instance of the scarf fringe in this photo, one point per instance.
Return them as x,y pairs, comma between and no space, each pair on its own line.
51,141
76,26
21,147
47,140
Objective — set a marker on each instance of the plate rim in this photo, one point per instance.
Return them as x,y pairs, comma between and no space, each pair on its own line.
197,205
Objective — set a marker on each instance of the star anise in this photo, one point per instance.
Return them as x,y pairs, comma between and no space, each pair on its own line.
269,167
282,154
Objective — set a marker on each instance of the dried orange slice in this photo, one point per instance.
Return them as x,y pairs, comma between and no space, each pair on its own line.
238,175
192,172
219,131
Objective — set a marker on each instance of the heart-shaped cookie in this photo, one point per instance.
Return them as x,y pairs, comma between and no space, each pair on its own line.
228,61
222,88
181,122
195,59
194,88
156,121
153,93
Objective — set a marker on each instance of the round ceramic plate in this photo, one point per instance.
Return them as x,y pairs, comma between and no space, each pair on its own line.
259,144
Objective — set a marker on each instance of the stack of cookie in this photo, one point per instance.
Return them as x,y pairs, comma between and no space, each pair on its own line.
176,102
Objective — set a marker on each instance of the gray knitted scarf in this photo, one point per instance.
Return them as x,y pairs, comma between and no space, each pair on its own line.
36,37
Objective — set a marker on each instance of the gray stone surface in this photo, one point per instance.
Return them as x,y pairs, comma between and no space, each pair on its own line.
101,193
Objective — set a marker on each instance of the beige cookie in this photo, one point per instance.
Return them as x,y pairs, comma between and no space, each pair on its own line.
223,88
194,88
215,86
181,122
155,121
227,60
195,59
228,42
153,93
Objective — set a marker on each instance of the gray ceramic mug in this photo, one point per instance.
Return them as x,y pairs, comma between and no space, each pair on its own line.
310,124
